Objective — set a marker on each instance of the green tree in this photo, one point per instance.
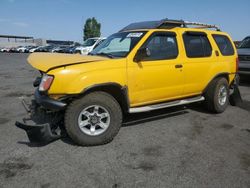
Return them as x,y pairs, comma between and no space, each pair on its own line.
91,28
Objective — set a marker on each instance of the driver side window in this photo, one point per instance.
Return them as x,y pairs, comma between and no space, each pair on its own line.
161,46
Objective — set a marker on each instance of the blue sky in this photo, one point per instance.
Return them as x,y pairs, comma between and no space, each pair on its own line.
64,19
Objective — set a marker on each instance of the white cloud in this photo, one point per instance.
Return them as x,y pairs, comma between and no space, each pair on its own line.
13,22
20,24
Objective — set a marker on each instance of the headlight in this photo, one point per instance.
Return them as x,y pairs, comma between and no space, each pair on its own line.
46,82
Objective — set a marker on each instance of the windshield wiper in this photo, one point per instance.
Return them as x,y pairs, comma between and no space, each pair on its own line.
105,54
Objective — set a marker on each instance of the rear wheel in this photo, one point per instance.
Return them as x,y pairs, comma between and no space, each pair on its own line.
94,119
217,95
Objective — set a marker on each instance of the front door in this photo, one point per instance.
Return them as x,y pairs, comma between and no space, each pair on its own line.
158,76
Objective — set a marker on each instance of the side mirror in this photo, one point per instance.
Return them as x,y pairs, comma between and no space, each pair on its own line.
141,54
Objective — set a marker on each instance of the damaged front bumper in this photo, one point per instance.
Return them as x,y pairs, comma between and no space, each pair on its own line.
48,103
45,121
38,133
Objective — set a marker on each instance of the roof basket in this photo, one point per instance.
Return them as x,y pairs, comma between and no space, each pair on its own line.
167,24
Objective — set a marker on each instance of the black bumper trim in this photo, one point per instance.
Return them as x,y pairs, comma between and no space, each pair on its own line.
38,133
48,103
235,98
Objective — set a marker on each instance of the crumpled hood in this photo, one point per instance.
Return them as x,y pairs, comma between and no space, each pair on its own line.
47,61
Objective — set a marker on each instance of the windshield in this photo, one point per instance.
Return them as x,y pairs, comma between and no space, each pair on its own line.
118,44
89,42
245,43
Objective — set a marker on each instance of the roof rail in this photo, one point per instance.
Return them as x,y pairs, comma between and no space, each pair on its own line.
166,24
202,25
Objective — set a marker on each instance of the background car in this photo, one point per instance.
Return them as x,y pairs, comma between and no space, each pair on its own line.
44,49
89,45
4,49
28,48
58,49
31,50
244,57
14,49
69,50
21,49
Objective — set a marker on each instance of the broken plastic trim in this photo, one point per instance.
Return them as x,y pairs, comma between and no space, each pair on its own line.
40,133
235,98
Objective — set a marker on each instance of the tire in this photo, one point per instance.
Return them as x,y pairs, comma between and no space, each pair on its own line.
214,100
82,111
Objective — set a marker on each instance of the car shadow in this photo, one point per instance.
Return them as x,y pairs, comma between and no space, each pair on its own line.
199,107
145,117
129,120
32,144
139,118
245,105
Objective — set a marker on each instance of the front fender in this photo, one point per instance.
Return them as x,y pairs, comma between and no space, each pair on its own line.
75,78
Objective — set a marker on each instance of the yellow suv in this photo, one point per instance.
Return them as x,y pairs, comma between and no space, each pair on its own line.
145,66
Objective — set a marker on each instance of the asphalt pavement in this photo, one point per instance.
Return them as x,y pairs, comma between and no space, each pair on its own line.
178,147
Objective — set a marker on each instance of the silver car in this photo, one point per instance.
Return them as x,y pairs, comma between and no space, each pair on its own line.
244,57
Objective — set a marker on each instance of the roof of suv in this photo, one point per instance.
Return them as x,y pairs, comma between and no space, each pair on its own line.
167,24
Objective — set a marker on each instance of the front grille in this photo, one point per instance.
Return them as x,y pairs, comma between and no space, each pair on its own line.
244,57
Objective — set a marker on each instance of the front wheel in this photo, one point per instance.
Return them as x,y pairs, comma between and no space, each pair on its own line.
217,95
94,119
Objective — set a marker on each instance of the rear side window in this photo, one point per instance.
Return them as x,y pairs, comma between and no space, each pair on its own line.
197,45
224,44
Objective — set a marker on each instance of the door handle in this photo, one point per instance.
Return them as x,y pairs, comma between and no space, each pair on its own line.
178,66
217,53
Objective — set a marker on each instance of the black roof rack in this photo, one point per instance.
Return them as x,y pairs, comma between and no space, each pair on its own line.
166,24
202,25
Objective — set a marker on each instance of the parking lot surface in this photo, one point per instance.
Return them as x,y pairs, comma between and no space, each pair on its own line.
177,147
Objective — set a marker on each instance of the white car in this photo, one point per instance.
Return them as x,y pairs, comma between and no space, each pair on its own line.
89,45
5,49
35,48
21,49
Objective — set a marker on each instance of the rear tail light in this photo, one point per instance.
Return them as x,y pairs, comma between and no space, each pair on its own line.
46,82
237,64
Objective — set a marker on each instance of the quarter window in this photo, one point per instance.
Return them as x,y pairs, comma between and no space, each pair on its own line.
162,46
197,45
224,44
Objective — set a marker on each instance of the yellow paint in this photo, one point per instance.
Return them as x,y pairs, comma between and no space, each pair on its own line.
147,82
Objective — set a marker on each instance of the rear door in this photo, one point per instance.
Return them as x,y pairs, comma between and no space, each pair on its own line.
198,61
227,52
